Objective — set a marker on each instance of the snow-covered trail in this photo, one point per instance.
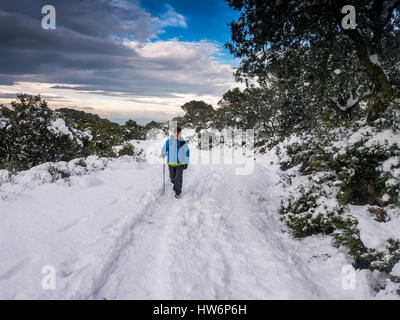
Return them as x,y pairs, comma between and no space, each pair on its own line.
222,240
204,245
113,235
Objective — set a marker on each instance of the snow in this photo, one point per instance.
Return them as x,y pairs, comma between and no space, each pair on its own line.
110,233
3,123
390,163
4,176
396,270
372,136
87,134
337,71
59,126
384,137
351,102
117,149
374,234
375,59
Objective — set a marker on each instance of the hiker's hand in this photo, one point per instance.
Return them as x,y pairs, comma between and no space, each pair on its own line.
185,167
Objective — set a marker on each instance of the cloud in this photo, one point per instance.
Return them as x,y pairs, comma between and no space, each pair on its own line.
6,95
99,18
109,51
172,19
183,66
86,109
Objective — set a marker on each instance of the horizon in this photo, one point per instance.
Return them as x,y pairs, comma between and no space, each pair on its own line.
140,121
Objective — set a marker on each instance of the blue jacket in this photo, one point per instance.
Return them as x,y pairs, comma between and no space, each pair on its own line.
177,150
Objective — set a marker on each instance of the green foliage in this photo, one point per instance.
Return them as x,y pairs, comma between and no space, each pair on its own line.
133,131
26,139
379,214
367,258
357,169
153,125
306,215
81,163
30,134
105,134
348,235
252,108
303,46
57,173
345,164
356,166
197,113
320,84
127,150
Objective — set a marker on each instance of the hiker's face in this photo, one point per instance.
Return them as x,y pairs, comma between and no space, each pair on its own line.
176,134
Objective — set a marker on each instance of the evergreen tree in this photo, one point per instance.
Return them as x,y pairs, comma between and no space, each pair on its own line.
197,113
133,131
31,134
304,46
28,137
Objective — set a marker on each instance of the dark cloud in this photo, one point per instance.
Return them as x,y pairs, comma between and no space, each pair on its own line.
13,96
81,108
8,95
98,18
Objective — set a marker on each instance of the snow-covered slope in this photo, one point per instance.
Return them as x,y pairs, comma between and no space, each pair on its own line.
112,234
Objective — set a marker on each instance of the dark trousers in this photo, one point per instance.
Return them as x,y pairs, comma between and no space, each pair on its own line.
176,176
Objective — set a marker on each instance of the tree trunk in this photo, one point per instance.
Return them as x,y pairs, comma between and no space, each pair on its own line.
384,92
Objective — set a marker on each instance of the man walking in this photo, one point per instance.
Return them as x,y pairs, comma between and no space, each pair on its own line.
177,151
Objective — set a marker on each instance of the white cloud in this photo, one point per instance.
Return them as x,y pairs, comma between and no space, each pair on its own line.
141,19
184,62
173,49
171,19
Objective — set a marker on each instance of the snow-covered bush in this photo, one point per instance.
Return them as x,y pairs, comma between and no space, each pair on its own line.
61,172
312,208
32,134
334,178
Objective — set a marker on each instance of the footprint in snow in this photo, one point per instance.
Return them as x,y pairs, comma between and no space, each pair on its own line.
12,271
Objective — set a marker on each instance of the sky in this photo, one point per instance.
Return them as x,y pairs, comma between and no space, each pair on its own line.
118,58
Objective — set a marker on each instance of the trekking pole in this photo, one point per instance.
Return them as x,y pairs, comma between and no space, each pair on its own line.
163,177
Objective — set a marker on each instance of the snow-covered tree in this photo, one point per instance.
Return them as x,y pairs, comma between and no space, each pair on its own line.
32,134
305,47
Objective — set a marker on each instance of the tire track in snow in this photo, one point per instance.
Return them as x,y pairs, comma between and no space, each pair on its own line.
142,253
120,244
185,269
221,240
208,255
219,250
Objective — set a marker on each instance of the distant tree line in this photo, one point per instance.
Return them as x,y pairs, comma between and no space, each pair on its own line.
31,133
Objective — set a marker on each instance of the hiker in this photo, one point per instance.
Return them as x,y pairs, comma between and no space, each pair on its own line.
178,159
